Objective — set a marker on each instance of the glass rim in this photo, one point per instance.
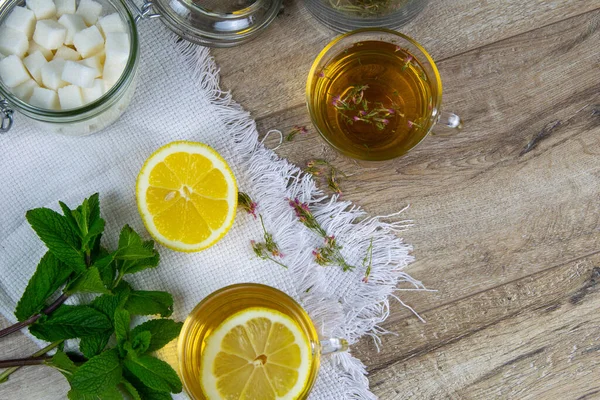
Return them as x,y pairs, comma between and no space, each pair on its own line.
237,286
89,110
179,25
329,46
185,339
313,73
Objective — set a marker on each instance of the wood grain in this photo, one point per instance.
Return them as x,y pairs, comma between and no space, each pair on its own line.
481,209
506,212
275,79
537,337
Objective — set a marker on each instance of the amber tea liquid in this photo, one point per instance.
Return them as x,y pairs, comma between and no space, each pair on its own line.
373,101
220,305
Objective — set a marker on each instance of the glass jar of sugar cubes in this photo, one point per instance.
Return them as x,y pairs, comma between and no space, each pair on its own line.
71,65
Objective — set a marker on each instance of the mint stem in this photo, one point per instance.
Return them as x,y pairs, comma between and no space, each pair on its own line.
22,362
4,376
118,280
20,325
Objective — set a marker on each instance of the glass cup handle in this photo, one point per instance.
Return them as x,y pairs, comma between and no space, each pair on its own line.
6,116
449,120
333,345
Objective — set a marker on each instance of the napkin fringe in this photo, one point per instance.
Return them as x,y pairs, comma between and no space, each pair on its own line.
366,304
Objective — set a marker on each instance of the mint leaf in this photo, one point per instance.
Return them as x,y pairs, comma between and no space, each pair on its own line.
162,331
49,275
93,208
154,373
97,251
110,394
99,374
68,213
63,363
131,246
95,229
144,391
107,268
91,346
129,238
141,342
87,282
131,389
88,219
85,221
143,302
69,322
58,235
107,304
137,265
122,321
150,394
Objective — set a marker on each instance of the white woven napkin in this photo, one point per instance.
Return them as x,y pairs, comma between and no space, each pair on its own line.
178,99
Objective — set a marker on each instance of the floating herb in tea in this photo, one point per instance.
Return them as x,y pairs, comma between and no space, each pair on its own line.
372,101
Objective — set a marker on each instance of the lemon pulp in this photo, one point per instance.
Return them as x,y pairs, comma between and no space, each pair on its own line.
187,196
257,353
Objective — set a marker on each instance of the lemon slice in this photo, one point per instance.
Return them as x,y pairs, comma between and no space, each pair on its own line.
187,196
258,354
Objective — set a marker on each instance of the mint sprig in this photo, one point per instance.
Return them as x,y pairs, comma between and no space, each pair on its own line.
76,262
50,275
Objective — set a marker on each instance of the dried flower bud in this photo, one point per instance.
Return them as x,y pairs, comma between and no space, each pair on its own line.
246,203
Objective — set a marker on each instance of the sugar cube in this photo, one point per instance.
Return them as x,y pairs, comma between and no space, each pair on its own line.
112,24
21,19
117,48
52,74
12,71
94,62
65,7
25,89
95,92
43,9
70,97
49,34
13,42
67,53
89,10
44,98
33,47
112,73
73,23
78,74
34,63
88,41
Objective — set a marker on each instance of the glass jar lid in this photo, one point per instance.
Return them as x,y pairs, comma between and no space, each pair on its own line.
218,23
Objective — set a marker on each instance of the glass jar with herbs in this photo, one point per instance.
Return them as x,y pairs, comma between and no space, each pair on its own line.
347,15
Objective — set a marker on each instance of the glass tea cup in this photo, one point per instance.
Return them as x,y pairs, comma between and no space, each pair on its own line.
219,307
374,94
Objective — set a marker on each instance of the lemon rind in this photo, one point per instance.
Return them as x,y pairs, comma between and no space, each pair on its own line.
143,177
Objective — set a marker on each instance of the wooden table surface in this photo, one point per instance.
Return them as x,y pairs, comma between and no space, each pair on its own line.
506,212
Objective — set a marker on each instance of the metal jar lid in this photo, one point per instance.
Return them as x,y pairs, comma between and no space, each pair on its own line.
217,23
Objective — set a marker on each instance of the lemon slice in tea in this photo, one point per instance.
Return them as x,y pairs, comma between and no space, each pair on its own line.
187,196
258,353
